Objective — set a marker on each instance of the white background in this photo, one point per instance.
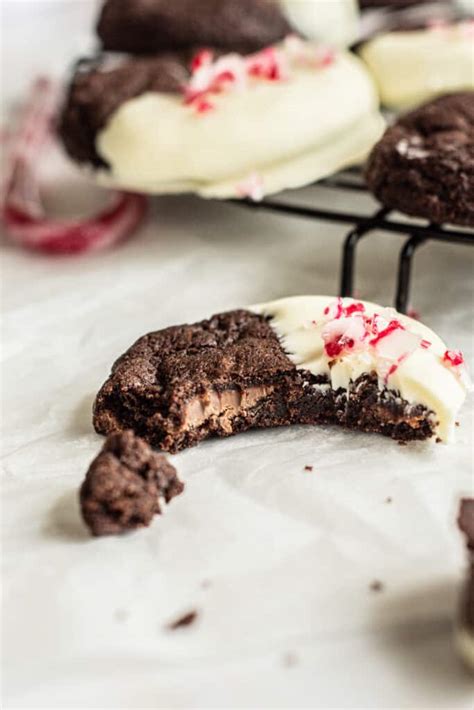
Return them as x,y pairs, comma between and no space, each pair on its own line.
278,561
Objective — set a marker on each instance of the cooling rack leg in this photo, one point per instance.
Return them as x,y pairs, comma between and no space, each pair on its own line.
404,272
348,260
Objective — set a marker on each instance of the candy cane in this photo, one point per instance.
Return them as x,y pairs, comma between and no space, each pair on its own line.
22,211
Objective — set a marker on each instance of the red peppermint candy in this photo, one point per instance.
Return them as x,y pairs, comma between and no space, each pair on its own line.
22,212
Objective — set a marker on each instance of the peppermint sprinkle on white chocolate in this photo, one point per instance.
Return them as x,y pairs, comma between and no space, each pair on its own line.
235,72
344,338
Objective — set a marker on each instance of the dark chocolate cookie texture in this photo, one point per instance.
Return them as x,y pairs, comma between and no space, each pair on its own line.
126,485
149,26
99,88
424,164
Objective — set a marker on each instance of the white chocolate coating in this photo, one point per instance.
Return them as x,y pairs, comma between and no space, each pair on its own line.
333,21
412,67
422,377
291,132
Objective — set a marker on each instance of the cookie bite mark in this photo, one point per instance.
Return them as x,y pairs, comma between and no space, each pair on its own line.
126,485
183,384
277,365
424,164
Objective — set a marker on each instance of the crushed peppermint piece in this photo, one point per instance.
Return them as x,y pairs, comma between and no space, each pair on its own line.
453,357
203,105
267,64
437,24
202,58
211,76
381,338
252,187
306,54
324,57
466,28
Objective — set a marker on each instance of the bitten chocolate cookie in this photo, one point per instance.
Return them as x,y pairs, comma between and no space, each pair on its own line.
465,626
301,360
424,164
126,485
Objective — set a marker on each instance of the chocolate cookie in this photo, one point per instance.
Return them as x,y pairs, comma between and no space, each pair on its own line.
133,118
218,377
99,87
424,164
125,484
149,26
391,4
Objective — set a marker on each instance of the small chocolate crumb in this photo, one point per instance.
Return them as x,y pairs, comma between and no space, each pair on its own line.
185,620
121,615
376,586
456,423
402,443
438,440
290,659
126,485
388,499
308,468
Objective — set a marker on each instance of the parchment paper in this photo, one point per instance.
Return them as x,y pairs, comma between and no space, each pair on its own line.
278,561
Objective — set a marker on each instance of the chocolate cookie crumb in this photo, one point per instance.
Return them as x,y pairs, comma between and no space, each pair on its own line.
308,468
388,499
121,615
125,485
376,586
185,620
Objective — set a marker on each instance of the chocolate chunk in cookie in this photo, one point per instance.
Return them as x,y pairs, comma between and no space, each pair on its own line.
126,485
149,26
424,164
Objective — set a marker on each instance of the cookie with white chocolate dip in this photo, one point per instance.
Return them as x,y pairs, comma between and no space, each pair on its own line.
301,360
258,110
413,66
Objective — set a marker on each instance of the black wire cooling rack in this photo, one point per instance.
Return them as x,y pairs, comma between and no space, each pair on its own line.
363,225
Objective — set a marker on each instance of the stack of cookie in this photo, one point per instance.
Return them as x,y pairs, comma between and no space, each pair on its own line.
224,98
243,98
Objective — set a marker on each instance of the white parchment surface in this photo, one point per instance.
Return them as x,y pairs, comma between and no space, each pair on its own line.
278,561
